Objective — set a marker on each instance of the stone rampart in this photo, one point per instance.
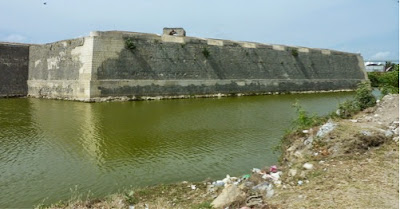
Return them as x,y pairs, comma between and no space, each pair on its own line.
119,64
62,69
13,69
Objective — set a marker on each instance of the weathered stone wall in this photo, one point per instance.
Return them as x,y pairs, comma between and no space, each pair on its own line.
170,65
62,69
13,69
102,65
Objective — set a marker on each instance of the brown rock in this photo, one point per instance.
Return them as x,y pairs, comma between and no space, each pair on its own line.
229,195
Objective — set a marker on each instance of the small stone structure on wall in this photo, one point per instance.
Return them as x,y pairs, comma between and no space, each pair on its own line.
131,65
174,31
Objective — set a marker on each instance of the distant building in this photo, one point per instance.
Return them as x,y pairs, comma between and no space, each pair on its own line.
375,66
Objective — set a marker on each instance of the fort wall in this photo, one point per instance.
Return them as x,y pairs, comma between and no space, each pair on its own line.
62,69
128,64
13,69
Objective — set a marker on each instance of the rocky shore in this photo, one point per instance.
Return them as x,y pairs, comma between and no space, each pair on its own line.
344,163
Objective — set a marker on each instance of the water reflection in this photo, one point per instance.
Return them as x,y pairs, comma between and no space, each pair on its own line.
50,146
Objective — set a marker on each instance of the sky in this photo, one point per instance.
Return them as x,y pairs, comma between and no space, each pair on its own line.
369,27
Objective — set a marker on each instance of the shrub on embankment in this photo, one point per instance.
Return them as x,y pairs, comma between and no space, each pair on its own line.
387,82
363,99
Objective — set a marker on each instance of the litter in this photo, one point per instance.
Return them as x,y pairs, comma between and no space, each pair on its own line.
253,201
247,176
261,187
273,169
275,176
326,128
227,179
308,166
218,183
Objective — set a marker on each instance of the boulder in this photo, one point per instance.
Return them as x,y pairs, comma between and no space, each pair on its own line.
326,128
229,194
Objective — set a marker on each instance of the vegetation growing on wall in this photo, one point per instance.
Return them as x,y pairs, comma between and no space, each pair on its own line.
387,82
295,53
206,53
130,45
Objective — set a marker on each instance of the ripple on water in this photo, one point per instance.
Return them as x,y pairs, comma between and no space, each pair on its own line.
48,147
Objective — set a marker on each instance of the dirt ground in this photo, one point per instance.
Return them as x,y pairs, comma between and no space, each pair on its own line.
354,164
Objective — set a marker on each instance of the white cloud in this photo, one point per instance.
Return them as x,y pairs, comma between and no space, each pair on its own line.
380,56
14,38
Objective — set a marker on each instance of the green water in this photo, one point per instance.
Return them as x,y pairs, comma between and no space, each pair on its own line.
49,147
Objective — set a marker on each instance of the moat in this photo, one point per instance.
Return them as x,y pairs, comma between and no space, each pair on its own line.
49,147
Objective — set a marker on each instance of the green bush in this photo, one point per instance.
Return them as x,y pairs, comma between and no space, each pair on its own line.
362,100
374,78
364,97
206,53
130,45
348,109
295,53
387,89
304,120
387,82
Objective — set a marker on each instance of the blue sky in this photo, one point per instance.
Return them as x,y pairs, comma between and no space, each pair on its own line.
369,27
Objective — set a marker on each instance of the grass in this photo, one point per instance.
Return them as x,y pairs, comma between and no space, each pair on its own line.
130,45
295,52
203,205
178,195
206,53
304,120
363,99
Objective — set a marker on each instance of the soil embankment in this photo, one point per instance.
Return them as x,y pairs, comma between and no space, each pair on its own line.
355,165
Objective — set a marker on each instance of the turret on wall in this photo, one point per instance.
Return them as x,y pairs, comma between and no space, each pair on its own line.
174,32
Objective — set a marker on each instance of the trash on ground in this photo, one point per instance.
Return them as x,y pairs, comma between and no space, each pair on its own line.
273,169
308,166
326,128
247,176
254,201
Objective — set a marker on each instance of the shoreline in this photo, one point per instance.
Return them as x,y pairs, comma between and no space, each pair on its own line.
149,98
310,172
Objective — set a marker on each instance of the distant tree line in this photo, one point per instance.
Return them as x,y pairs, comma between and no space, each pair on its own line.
387,82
